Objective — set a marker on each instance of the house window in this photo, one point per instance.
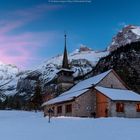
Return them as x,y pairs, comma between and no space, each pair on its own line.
69,108
53,108
138,107
59,109
119,107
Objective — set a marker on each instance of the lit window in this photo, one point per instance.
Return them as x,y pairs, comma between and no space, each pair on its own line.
138,107
119,107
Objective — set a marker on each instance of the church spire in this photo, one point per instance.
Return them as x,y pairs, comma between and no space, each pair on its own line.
65,64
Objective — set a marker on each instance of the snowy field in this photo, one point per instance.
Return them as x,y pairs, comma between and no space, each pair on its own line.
20,125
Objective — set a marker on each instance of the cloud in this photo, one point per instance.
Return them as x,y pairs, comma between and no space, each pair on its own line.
35,10
7,26
21,48
33,13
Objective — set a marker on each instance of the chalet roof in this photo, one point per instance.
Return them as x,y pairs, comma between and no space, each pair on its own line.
119,94
66,97
78,89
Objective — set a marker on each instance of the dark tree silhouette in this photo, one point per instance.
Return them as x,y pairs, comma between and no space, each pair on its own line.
37,98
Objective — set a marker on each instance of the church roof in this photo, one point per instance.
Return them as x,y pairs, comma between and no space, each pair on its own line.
78,89
65,63
119,94
67,70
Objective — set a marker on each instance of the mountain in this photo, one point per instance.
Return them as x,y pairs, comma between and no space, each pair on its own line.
82,61
123,55
127,35
8,74
126,62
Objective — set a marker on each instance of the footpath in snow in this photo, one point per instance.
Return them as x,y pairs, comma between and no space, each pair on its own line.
21,125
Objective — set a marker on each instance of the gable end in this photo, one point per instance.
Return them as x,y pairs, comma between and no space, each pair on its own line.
112,80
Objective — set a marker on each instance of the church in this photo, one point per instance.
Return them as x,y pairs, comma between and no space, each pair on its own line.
103,95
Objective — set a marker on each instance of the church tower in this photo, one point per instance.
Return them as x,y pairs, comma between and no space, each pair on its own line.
65,64
65,78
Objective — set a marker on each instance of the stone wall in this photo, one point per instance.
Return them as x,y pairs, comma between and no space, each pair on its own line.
111,81
82,106
54,107
129,110
62,87
85,105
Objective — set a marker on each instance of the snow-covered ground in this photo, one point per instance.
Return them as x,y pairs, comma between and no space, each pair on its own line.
21,125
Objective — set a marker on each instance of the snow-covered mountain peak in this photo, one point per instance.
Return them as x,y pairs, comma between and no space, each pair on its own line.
132,28
82,53
81,60
8,79
7,71
82,49
128,34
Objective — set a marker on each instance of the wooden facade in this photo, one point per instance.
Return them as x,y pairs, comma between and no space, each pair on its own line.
101,105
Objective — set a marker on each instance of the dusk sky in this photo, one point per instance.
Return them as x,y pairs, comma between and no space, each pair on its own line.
31,31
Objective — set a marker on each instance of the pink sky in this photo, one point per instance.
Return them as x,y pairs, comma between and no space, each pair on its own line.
21,48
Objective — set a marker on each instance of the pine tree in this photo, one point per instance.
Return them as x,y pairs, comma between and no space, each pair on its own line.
37,98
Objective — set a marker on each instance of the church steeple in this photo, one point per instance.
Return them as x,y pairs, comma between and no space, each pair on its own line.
65,78
65,63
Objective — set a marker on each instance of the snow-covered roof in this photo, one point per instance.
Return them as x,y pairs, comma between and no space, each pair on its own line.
62,69
65,97
119,94
88,82
78,89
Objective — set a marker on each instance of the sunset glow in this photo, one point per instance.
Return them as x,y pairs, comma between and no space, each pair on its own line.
31,32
